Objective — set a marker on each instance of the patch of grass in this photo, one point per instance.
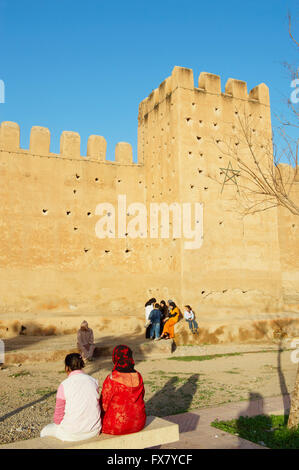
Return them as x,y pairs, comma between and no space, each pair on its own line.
20,374
202,358
268,430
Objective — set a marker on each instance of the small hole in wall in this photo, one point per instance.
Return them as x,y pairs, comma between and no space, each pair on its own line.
200,121
86,250
96,179
188,119
220,158
68,212
45,211
217,141
253,130
191,186
127,251
203,291
75,228
236,113
198,137
205,188
139,182
119,181
199,171
293,225
221,222
77,176
225,290
237,143
88,214
201,154
74,191
107,251
215,124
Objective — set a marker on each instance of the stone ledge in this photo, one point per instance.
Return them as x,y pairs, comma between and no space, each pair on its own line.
157,431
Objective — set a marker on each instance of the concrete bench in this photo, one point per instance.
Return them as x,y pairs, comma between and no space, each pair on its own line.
157,431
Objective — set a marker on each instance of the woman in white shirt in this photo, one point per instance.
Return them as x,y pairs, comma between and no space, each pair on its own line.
77,413
149,306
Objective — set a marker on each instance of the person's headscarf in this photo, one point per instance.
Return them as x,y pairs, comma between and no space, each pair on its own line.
84,323
122,358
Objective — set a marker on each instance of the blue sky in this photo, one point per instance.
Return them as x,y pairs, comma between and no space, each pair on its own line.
84,66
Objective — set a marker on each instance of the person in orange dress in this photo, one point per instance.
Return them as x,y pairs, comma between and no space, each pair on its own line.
122,404
174,316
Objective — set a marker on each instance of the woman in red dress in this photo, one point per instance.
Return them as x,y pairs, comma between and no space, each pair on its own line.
123,409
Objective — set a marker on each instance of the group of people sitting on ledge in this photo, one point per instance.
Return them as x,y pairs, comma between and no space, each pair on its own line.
161,317
82,412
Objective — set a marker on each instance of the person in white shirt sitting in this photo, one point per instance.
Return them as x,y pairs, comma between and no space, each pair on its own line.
77,413
190,318
149,306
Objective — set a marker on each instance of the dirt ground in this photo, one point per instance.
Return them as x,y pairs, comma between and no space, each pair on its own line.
173,384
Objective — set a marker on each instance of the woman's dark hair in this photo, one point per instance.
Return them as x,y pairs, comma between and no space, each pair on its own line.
172,304
74,361
157,305
163,302
150,302
188,306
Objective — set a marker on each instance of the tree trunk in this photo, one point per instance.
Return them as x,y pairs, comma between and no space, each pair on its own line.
294,411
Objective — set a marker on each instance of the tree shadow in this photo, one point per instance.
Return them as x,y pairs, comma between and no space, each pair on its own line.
18,410
283,385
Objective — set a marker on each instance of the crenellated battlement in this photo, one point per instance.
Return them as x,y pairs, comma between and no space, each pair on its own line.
182,77
189,142
40,139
